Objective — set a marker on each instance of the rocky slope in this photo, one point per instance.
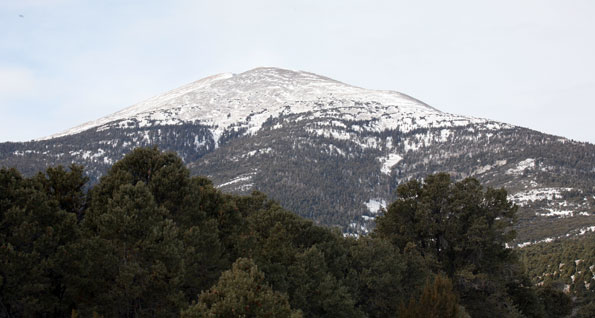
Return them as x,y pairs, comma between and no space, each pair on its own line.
333,152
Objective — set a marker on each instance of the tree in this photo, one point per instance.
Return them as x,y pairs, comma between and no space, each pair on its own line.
436,301
204,258
132,260
460,229
525,297
378,270
587,311
66,187
316,291
459,225
36,239
241,292
164,174
557,304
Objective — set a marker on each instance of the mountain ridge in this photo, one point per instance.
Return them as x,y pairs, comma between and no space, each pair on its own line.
331,151
285,85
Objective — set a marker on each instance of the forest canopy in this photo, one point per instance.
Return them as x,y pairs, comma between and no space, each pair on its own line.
149,240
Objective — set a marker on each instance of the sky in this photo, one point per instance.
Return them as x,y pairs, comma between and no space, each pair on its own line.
527,63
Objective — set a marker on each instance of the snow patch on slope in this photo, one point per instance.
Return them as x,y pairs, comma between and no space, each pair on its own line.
577,232
240,182
557,213
486,168
375,205
528,163
389,162
524,197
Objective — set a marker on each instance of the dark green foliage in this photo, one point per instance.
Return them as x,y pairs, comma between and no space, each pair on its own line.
315,290
36,244
563,264
457,225
148,239
11,183
164,174
66,187
382,275
526,298
587,311
557,304
437,300
241,292
141,265
204,257
324,274
460,229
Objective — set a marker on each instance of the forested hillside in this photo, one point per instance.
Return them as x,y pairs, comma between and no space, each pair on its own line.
149,240
331,152
568,265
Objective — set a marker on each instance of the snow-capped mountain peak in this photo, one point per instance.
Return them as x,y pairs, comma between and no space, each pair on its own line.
235,101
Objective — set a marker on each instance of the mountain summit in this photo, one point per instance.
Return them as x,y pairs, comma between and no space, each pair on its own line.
245,101
330,151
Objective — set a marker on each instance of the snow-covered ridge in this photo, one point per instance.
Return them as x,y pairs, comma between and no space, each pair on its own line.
247,100
151,104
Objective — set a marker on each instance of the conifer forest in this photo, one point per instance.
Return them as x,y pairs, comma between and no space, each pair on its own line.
150,240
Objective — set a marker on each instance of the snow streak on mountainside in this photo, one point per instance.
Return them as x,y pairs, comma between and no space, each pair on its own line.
245,101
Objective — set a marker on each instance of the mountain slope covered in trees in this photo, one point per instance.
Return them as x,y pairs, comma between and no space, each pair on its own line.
332,152
149,240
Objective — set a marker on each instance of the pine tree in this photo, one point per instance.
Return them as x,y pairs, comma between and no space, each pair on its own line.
557,304
316,290
587,311
460,229
132,262
436,301
36,242
379,273
241,292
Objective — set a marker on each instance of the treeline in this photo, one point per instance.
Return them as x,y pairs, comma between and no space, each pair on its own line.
148,240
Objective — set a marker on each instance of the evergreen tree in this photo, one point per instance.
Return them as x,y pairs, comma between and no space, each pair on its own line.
587,311
66,187
317,292
557,304
379,272
36,242
526,298
459,229
164,174
241,292
457,225
134,265
204,258
436,301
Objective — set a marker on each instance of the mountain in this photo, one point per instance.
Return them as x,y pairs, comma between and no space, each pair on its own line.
332,152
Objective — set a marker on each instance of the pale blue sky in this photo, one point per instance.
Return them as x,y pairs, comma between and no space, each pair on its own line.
529,63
